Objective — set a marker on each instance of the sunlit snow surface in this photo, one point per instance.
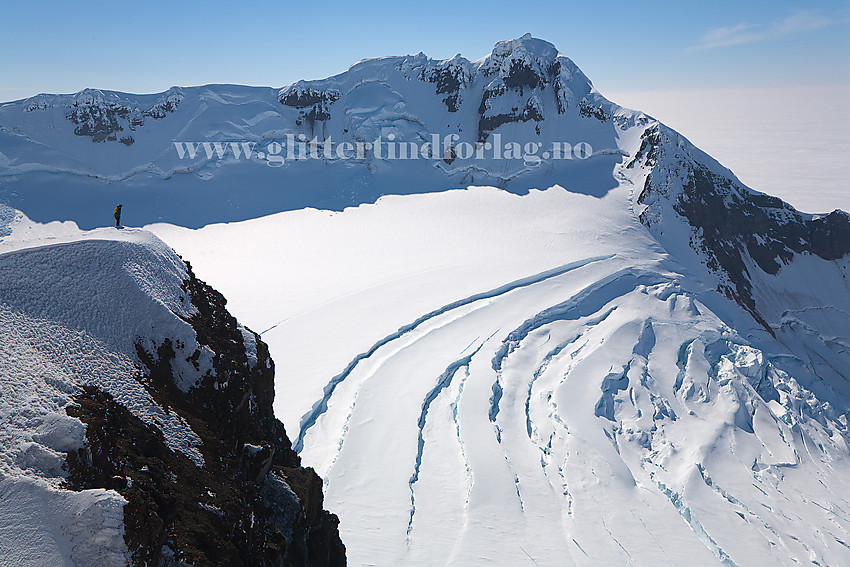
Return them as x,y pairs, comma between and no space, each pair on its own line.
490,379
73,305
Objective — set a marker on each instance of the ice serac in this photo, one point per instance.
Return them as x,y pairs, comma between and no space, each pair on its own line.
137,416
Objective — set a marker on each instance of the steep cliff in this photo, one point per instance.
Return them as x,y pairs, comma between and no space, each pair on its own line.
170,403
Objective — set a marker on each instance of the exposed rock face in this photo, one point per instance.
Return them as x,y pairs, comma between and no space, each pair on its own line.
736,229
491,118
450,77
251,503
590,110
101,116
519,73
313,104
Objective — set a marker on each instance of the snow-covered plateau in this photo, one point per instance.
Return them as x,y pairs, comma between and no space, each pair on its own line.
628,359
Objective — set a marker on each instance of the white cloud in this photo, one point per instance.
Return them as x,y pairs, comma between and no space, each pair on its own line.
742,33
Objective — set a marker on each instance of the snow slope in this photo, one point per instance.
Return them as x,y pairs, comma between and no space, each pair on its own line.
71,306
486,378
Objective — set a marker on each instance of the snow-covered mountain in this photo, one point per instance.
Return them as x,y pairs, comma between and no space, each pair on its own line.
136,416
621,357
68,157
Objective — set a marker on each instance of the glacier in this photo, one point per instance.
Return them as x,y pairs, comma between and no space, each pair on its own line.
642,416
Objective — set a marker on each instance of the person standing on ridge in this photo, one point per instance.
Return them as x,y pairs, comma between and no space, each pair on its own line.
117,215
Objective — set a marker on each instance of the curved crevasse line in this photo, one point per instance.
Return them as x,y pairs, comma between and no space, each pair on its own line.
547,450
540,370
321,406
466,463
516,485
341,441
614,538
562,467
346,428
586,302
677,500
651,535
495,398
443,382
544,365
557,422
710,483
467,467
682,363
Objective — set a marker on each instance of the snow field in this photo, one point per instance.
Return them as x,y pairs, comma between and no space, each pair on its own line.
485,378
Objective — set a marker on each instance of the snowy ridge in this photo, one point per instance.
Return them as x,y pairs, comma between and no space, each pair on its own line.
51,347
110,348
136,281
89,149
760,251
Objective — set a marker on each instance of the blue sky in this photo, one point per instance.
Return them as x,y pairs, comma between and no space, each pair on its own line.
149,46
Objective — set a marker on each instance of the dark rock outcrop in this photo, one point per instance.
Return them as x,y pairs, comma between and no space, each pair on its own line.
313,104
101,117
523,74
736,229
489,119
251,503
590,110
449,78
